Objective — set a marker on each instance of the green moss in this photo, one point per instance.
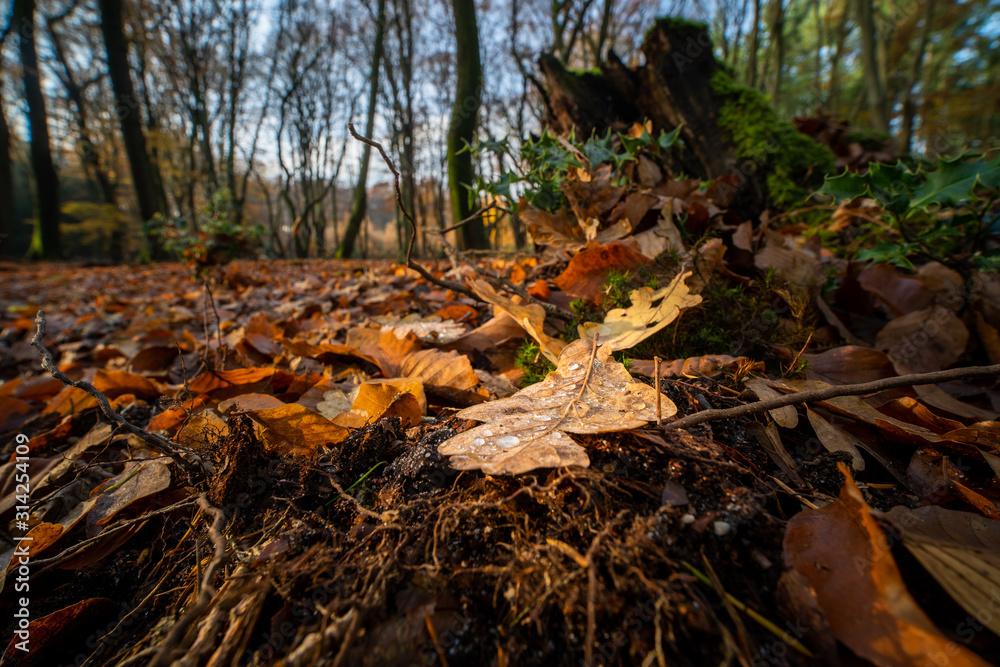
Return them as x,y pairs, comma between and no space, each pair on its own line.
773,144
536,366
678,25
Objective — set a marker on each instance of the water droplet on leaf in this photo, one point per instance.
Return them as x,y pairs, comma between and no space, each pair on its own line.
508,441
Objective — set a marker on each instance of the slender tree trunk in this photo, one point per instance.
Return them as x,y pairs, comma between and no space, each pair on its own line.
128,113
462,128
842,29
751,77
777,30
874,84
360,205
88,152
7,215
913,75
46,242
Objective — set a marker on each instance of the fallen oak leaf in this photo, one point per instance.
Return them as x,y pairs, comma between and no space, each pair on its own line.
588,392
531,317
651,311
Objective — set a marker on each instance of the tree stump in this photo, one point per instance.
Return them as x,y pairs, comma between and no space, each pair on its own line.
727,129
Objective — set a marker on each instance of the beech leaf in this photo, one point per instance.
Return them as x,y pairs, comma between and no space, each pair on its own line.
588,392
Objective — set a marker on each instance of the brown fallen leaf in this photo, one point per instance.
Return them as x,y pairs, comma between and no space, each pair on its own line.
849,364
924,340
899,294
840,550
138,480
587,272
293,428
531,317
651,311
380,399
59,637
786,416
588,392
836,439
435,368
961,550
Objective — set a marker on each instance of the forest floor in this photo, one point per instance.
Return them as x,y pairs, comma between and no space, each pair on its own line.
310,514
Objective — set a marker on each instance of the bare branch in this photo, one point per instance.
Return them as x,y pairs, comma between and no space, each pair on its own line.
192,464
801,397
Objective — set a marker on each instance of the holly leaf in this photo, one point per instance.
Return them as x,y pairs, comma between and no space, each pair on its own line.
954,180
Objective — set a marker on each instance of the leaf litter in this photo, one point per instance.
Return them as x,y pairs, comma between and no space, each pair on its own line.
347,505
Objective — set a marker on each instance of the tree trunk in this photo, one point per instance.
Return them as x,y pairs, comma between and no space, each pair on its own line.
7,215
360,205
874,84
45,243
128,110
913,75
462,128
776,26
751,78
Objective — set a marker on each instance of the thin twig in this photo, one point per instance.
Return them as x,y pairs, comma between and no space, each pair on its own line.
798,398
550,308
194,467
410,262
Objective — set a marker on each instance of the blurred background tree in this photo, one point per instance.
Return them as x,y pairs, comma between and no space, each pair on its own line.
114,111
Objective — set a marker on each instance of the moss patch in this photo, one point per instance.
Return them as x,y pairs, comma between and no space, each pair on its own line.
773,144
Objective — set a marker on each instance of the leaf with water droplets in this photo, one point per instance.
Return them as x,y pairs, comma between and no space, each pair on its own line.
588,392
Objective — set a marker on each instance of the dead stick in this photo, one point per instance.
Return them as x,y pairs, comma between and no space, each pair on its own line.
798,398
656,374
410,262
159,443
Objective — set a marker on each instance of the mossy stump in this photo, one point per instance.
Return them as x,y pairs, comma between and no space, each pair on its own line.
727,128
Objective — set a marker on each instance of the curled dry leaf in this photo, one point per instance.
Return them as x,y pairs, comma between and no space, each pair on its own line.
531,317
587,393
840,550
708,365
651,311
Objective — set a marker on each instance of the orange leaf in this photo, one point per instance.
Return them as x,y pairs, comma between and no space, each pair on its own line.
294,428
841,550
38,539
116,383
589,270
69,400
57,638
174,417
214,380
